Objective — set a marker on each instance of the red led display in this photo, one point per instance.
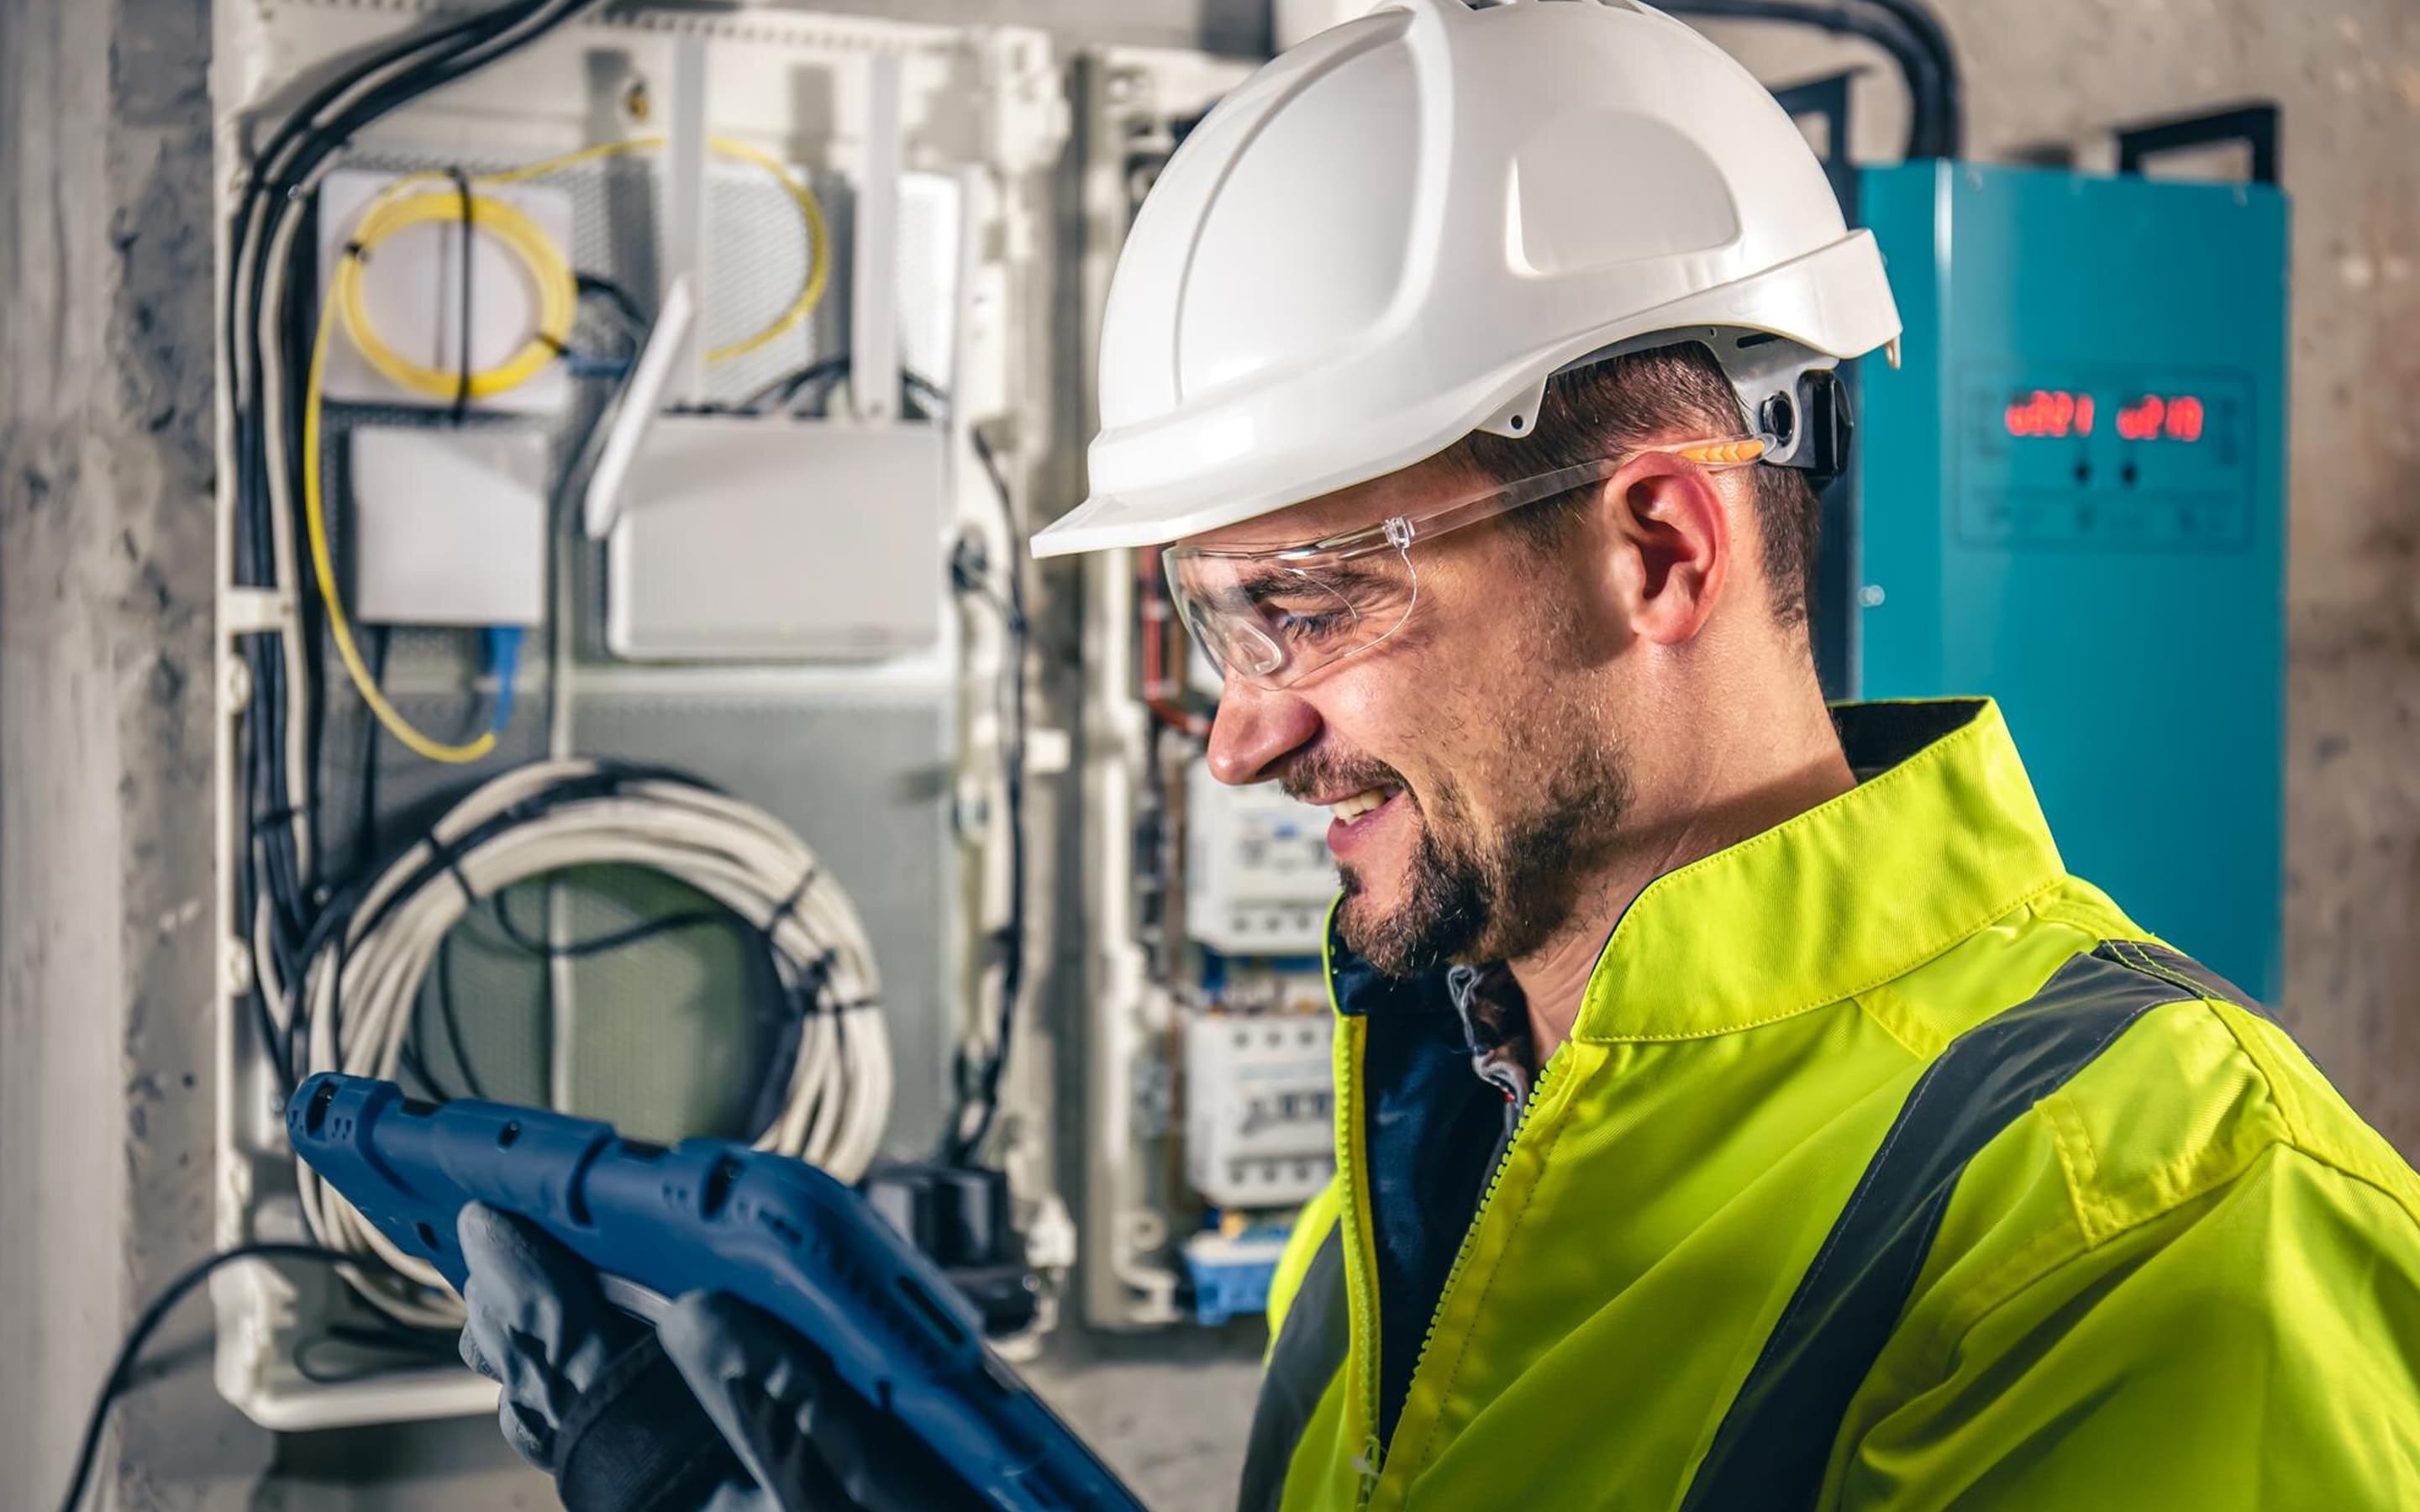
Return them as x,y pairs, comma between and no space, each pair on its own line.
2050,413
2151,417
2161,417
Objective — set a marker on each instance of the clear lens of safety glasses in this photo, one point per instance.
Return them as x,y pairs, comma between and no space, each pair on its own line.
1273,615
1270,619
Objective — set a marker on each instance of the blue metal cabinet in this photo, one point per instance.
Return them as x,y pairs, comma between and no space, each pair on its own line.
2072,497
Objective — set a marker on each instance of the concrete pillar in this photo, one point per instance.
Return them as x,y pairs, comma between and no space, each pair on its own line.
105,731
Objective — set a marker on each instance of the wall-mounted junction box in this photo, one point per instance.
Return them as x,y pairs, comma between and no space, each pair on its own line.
763,538
449,526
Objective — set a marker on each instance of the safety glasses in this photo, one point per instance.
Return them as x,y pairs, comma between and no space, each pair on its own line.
1273,615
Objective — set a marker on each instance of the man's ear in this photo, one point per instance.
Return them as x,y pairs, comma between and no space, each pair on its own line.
1670,544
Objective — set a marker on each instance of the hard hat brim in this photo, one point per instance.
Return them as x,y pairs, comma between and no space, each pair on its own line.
1835,300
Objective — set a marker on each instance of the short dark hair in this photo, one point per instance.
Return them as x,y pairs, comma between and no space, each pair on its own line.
1623,402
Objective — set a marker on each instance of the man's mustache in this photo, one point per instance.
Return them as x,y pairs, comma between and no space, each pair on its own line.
1314,776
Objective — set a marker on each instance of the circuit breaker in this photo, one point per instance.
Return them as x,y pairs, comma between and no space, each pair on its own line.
1258,877
1258,1088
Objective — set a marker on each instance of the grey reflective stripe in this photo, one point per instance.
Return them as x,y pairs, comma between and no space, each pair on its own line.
1310,1351
2184,971
1776,1440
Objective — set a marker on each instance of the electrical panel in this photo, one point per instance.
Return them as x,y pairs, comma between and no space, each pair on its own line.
1258,877
2075,503
771,727
1259,1123
1197,897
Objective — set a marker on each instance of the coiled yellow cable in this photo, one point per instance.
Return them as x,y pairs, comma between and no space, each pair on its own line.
406,202
550,277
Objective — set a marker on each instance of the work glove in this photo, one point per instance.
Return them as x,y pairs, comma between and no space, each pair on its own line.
807,1440
719,1408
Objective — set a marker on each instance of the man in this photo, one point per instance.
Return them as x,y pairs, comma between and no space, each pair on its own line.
1738,1105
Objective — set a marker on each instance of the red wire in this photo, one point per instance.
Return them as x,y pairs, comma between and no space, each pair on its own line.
1163,689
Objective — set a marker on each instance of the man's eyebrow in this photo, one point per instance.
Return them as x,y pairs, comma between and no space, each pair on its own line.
1261,585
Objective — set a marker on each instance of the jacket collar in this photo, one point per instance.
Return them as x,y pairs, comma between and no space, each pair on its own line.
1941,836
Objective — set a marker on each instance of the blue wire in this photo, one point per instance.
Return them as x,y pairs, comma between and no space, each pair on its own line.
504,662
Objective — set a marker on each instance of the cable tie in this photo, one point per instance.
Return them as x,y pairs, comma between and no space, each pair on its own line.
789,905
548,340
358,249
815,975
462,358
450,859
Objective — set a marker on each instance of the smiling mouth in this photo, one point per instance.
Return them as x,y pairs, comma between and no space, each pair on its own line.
1349,810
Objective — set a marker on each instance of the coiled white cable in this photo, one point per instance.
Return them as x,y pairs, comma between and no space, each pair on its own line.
358,1001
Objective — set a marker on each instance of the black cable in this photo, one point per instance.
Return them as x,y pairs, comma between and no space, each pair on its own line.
621,939
365,819
453,1025
121,1370
414,1064
301,143
470,249
927,400
269,865
782,392
596,286
1921,19
630,330
304,686
963,1140
803,987
1845,17
1931,133
270,870
273,864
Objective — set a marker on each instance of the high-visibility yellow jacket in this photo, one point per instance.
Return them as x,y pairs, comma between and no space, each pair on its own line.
1887,1165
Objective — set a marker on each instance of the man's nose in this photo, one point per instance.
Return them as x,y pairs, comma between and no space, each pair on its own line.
1255,730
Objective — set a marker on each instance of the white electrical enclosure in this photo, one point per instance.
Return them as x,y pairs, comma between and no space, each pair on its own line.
766,539
449,526
1258,1127
828,541
1258,877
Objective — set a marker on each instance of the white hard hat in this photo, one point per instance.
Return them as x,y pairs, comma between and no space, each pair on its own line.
1392,235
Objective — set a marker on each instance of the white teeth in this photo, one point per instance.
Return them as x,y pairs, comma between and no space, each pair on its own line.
1360,803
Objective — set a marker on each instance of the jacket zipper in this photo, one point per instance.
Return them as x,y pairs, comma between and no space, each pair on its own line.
1453,1274
1360,1287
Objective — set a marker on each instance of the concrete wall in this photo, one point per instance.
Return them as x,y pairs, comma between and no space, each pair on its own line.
105,716
105,737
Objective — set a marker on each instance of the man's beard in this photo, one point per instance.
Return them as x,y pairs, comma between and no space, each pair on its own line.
1474,900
